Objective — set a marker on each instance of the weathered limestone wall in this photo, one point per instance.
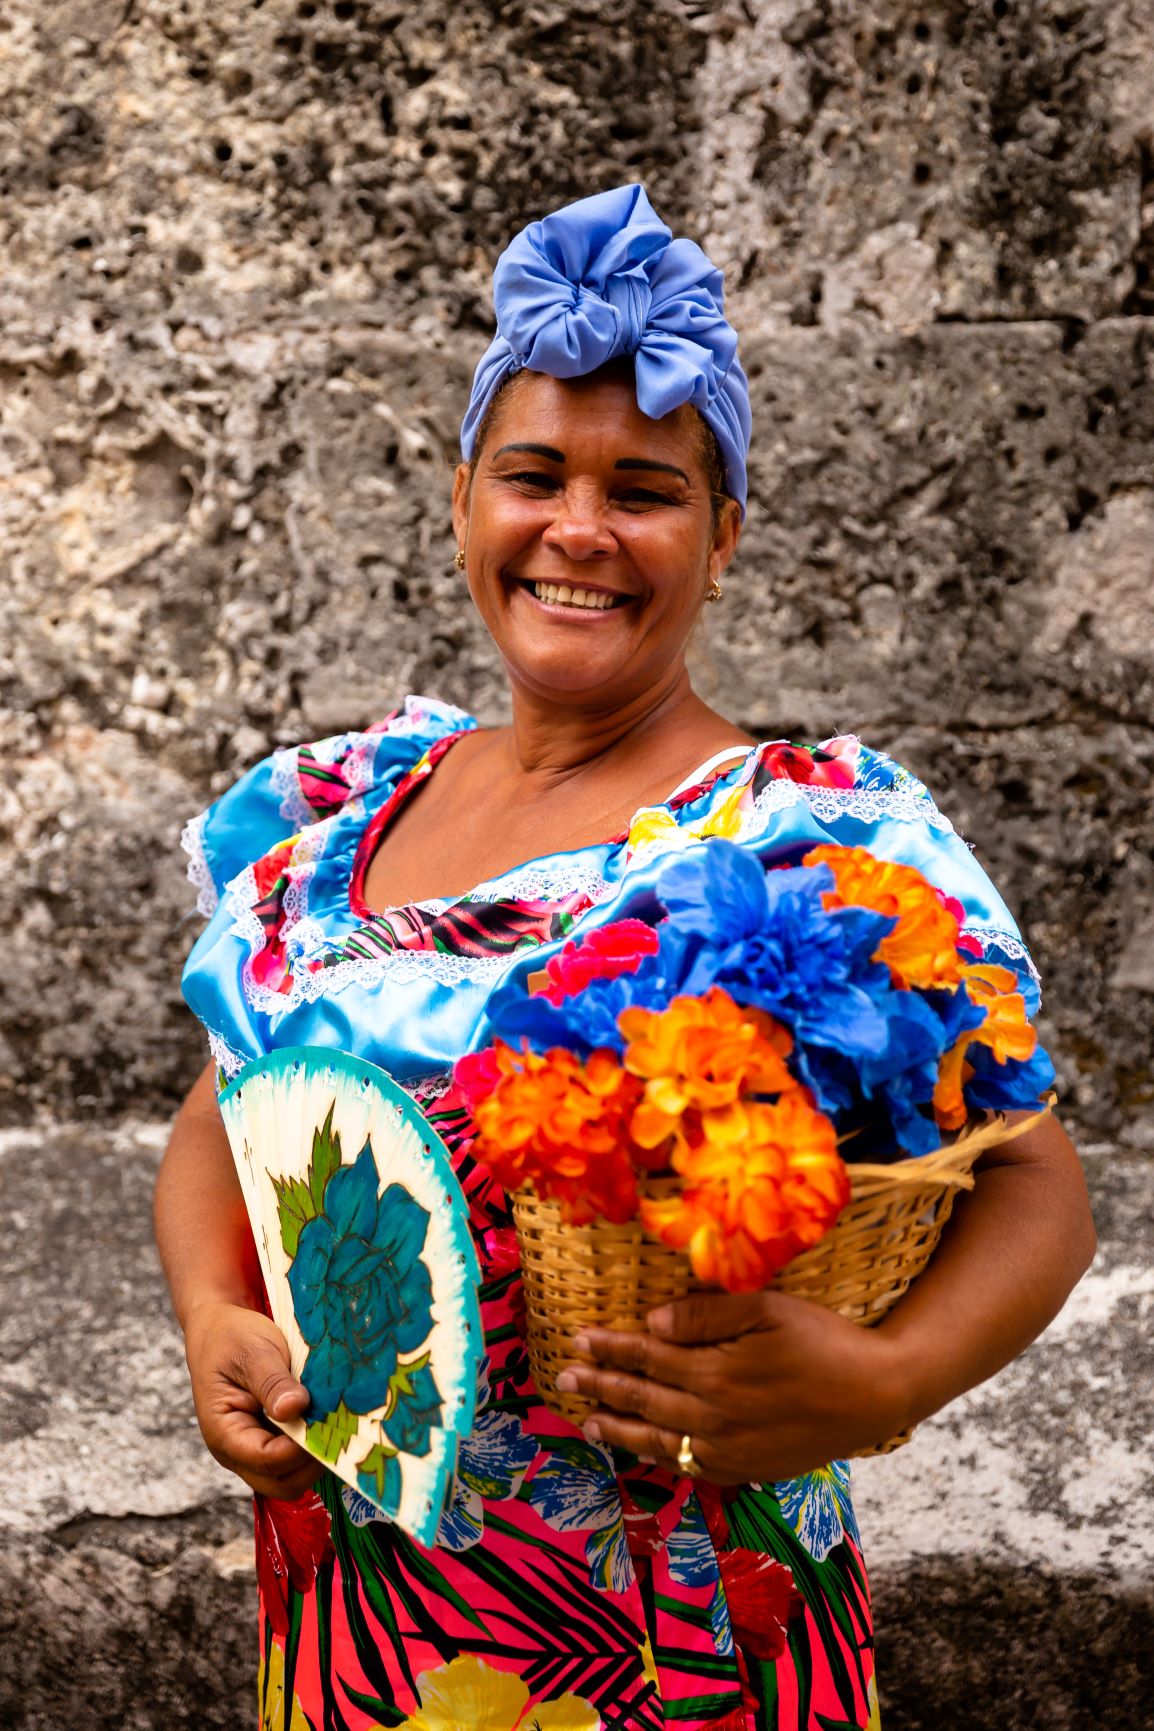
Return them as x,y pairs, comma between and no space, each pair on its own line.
245,256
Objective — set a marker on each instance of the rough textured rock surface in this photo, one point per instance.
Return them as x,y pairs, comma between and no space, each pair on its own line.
246,261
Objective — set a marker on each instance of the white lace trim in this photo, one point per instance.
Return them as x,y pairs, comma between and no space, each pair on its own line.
396,967
228,1061
241,893
830,804
199,870
422,714
353,753
539,881
431,1087
1012,947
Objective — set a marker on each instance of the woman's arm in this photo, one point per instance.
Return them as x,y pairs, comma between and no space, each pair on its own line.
238,1359
768,1387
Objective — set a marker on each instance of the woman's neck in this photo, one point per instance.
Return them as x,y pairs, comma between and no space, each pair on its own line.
552,741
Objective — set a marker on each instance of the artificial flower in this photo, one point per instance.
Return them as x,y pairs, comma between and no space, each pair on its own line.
1004,1031
607,952
922,948
702,1053
561,1124
752,1200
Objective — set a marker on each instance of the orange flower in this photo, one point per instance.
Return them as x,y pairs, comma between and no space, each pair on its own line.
562,1125
921,951
1005,1031
700,1054
756,1192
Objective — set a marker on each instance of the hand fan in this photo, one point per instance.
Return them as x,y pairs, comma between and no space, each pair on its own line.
363,1237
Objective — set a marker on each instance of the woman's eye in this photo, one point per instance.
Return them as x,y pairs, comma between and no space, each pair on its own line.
533,478
644,496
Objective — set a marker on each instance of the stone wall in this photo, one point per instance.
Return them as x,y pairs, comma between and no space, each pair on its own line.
246,249
246,258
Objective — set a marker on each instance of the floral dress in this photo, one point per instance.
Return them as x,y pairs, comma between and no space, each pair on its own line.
569,1586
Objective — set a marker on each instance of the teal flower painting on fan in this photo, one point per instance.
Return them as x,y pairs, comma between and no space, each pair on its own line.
363,1297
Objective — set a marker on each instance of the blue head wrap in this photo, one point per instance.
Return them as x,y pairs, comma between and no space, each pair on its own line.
602,278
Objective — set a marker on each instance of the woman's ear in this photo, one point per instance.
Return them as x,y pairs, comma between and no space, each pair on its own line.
726,535
461,503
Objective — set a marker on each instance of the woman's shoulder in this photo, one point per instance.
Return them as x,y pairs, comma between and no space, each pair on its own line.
297,787
836,777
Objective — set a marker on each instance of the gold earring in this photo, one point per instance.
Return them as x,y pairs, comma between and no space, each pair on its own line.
459,560
713,593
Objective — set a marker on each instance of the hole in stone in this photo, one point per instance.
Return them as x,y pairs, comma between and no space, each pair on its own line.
306,10
913,83
385,105
921,31
188,261
81,243
344,9
428,149
222,150
1030,411
200,73
400,590
1051,453
1000,8
922,173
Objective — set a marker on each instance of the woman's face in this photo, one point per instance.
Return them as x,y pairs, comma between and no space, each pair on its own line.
589,537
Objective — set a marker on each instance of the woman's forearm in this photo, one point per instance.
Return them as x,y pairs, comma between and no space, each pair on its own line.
1012,1252
202,1227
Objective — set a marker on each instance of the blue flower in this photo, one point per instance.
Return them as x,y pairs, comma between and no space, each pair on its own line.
576,1491
818,1508
689,1548
491,1463
416,1409
361,1292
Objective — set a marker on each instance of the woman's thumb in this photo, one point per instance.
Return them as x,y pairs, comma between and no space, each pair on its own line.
261,1366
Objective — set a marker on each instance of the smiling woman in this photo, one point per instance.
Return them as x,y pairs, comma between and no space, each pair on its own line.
373,891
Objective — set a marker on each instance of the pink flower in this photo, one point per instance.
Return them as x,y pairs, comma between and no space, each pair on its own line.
476,1075
603,955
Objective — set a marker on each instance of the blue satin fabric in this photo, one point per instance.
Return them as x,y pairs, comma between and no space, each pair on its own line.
402,1015
604,278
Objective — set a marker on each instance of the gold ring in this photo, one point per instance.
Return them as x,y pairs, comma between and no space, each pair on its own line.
687,1460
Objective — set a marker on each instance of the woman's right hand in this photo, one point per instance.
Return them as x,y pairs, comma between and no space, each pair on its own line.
239,1364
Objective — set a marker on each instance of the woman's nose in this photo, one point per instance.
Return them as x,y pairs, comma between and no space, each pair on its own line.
580,529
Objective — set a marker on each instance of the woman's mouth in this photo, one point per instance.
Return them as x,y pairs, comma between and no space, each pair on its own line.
573,597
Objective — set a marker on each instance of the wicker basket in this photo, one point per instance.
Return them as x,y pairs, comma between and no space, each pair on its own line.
604,1276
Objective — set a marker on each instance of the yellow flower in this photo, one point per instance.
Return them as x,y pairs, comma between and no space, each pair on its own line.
467,1693
270,1694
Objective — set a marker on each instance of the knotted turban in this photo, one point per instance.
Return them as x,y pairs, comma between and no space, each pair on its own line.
603,278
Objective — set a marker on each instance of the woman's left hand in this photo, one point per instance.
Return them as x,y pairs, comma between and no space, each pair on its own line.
765,1387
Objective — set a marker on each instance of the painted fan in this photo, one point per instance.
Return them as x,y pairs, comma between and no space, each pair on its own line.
363,1237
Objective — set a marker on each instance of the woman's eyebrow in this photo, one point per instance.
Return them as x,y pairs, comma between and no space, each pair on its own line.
546,451
645,463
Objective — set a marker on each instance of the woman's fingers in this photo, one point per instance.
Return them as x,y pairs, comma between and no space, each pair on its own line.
644,1355
658,1443
657,1402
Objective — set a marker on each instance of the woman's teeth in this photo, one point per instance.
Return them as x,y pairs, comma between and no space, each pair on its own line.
560,595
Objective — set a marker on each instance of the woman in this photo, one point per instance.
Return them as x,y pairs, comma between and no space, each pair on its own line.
578,1580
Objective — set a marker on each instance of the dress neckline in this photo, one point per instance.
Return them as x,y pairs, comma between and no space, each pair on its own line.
692,787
